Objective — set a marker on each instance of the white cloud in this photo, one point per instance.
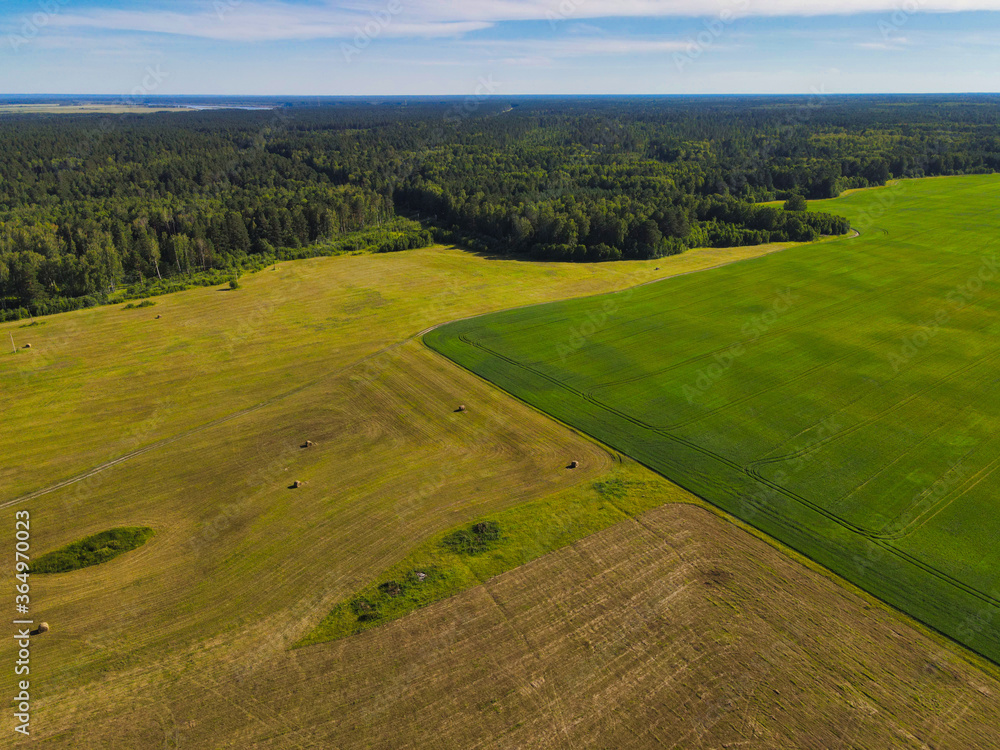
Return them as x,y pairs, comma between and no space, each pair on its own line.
515,10
267,22
887,44
262,21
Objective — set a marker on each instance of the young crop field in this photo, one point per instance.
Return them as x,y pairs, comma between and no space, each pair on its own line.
840,397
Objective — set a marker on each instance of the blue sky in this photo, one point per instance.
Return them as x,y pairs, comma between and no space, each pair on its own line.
321,47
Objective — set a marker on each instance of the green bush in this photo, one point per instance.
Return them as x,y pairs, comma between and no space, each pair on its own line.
478,538
234,283
365,609
93,550
392,589
795,203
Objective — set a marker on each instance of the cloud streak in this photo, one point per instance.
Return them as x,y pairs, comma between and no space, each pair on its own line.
259,23
271,21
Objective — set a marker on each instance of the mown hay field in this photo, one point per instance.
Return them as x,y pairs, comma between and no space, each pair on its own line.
101,383
840,397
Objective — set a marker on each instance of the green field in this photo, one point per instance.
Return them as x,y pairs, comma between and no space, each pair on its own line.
839,396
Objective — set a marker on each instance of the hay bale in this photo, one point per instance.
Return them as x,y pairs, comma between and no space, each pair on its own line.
573,465
461,408
296,484
27,346
158,317
43,627
308,444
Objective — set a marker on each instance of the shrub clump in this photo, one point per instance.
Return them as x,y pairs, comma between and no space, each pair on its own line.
796,203
365,609
93,550
144,303
478,538
389,599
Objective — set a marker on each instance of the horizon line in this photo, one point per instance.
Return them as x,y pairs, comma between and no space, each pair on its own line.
486,97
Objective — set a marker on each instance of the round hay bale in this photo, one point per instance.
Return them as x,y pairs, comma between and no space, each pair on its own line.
43,627
308,444
296,484
158,317
574,465
27,346
461,408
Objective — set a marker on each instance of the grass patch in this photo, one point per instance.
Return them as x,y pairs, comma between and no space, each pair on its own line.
93,550
144,303
460,558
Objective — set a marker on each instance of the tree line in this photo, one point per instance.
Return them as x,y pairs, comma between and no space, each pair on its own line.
91,204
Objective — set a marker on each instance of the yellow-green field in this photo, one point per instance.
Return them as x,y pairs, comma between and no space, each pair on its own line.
639,635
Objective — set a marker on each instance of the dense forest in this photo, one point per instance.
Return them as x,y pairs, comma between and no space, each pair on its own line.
92,206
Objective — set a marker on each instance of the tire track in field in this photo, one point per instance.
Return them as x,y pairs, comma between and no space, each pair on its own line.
823,313
820,314
754,467
939,507
807,449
